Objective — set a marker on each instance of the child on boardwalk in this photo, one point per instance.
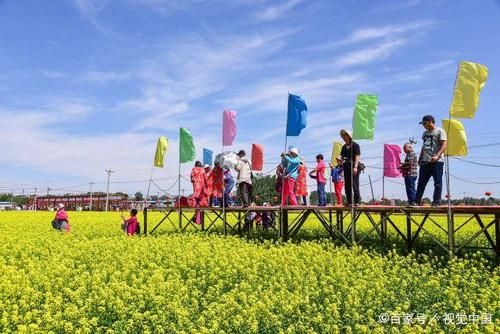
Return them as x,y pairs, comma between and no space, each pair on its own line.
337,174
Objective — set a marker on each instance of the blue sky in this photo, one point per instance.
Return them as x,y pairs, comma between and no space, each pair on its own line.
87,85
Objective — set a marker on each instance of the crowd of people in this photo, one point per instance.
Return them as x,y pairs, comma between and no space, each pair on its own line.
292,174
213,186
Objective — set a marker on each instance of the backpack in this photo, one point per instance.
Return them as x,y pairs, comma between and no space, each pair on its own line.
138,229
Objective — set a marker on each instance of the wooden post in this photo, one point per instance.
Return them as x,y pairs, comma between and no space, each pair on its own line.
180,215
224,219
497,237
145,214
353,222
383,225
340,221
409,238
284,223
451,233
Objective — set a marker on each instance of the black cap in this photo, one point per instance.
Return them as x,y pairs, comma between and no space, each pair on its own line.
429,118
241,152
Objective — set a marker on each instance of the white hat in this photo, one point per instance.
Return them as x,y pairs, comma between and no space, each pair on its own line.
206,166
60,206
347,132
294,150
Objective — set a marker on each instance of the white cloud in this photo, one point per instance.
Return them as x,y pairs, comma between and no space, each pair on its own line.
368,55
273,12
389,31
90,9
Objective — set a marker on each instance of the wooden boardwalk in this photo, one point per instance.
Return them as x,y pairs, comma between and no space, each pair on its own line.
288,220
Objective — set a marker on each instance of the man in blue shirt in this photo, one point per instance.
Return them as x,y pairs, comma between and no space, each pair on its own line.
291,161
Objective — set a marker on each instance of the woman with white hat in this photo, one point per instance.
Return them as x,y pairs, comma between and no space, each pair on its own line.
350,157
61,220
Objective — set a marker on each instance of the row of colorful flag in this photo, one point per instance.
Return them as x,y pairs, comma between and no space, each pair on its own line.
471,78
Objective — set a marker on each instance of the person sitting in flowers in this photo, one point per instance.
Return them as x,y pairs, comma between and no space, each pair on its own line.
131,225
61,220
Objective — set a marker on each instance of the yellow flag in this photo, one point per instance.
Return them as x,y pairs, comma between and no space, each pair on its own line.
457,138
471,79
161,150
336,152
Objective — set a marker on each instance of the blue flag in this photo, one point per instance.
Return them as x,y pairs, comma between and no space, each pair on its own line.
207,156
297,112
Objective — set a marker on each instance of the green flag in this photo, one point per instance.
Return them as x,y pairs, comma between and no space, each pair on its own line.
186,146
363,123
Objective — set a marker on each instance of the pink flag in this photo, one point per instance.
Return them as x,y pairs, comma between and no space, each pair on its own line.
228,127
392,160
257,157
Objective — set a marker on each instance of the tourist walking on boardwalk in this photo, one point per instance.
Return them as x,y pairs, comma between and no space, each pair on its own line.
431,160
291,161
409,171
198,181
228,187
337,174
320,176
244,178
301,184
350,162
217,184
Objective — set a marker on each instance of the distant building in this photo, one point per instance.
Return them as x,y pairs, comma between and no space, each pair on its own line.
72,202
6,206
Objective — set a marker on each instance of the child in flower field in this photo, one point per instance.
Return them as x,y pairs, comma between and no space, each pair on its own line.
131,225
61,220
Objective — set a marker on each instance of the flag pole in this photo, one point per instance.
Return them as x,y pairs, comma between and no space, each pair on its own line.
179,183
383,187
451,232
223,179
353,220
331,181
149,185
280,230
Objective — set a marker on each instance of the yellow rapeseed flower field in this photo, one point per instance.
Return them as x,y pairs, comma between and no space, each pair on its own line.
97,280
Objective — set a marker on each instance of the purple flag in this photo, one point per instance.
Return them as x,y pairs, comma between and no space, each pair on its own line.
228,127
392,160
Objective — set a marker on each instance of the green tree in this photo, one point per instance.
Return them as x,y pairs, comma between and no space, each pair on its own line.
138,196
263,189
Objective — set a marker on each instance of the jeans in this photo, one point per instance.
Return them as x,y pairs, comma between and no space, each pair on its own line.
227,193
434,169
347,184
245,193
321,194
411,192
304,200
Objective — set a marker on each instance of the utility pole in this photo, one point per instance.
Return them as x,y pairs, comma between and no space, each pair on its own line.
35,200
109,171
48,190
90,184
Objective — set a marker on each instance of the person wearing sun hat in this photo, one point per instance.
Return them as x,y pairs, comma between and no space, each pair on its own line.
350,154
291,162
61,220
